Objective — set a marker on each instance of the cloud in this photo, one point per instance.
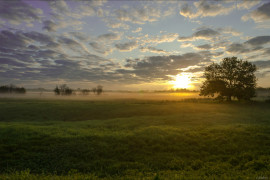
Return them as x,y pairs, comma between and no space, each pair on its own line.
252,45
101,48
39,37
11,62
80,36
12,40
129,46
204,8
28,56
262,64
49,25
17,12
152,49
238,48
204,47
229,30
205,33
146,12
72,45
159,67
69,14
139,29
259,15
247,4
108,37
259,40
115,25
170,37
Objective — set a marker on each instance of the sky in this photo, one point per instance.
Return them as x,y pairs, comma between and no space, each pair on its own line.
128,45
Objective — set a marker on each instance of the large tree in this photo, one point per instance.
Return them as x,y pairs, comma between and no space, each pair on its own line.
231,78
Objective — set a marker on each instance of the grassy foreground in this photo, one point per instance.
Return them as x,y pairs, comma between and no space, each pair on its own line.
136,139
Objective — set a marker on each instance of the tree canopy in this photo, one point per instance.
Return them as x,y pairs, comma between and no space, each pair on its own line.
231,78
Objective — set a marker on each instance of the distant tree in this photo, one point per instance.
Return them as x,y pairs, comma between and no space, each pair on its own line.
94,90
231,78
56,90
63,90
99,89
12,89
85,91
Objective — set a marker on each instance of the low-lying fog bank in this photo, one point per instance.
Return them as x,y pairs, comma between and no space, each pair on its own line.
108,96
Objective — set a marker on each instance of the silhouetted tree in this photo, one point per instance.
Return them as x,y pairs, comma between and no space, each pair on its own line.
99,89
231,78
63,90
56,90
12,89
94,90
85,91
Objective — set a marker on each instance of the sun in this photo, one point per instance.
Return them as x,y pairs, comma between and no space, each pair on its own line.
182,81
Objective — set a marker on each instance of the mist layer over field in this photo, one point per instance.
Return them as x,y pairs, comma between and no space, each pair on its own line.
108,96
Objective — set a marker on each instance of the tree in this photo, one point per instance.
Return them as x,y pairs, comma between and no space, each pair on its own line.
63,90
56,90
231,78
12,89
99,89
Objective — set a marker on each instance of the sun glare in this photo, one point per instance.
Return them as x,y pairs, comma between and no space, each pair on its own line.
181,81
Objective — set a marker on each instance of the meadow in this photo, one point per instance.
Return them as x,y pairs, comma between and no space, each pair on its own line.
133,139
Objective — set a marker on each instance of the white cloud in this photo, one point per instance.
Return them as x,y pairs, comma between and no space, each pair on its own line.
247,4
204,8
139,29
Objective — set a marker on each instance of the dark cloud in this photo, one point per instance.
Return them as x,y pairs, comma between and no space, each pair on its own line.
100,48
108,36
204,47
129,46
13,40
238,48
72,45
259,40
152,49
266,51
11,62
252,45
205,33
159,67
28,56
49,25
262,64
39,37
79,35
261,14
17,11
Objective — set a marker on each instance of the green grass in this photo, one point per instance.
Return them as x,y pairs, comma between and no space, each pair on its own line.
135,139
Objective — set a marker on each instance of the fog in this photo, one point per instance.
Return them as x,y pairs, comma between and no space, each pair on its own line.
107,96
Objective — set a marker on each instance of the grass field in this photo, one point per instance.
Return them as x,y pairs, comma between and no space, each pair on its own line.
133,139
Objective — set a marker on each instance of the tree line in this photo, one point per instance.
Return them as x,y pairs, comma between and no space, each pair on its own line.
12,89
65,90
